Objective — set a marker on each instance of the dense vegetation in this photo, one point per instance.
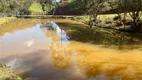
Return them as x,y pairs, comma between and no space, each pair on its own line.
26,6
47,4
15,5
128,11
132,7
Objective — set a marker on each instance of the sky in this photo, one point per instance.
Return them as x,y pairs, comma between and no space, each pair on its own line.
57,0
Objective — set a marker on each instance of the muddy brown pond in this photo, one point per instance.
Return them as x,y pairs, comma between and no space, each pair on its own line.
36,53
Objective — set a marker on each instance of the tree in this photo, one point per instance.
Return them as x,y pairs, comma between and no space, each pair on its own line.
135,6
117,6
3,6
121,7
47,3
132,7
14,5
77,7
93,8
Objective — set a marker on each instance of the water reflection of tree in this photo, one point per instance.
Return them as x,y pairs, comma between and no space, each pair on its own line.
18,24
61,52
97,64
106,37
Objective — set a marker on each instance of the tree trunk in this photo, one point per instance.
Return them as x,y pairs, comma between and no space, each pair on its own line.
43,9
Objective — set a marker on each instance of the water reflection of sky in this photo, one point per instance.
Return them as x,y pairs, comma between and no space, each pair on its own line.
30,39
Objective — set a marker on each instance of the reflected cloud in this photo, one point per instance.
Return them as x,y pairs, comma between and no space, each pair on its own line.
14,62
29,43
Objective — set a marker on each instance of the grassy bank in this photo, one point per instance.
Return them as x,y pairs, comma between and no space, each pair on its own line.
5,73
111,21
6,19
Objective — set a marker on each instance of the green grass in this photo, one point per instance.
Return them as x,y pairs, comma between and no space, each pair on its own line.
107,17
35,7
